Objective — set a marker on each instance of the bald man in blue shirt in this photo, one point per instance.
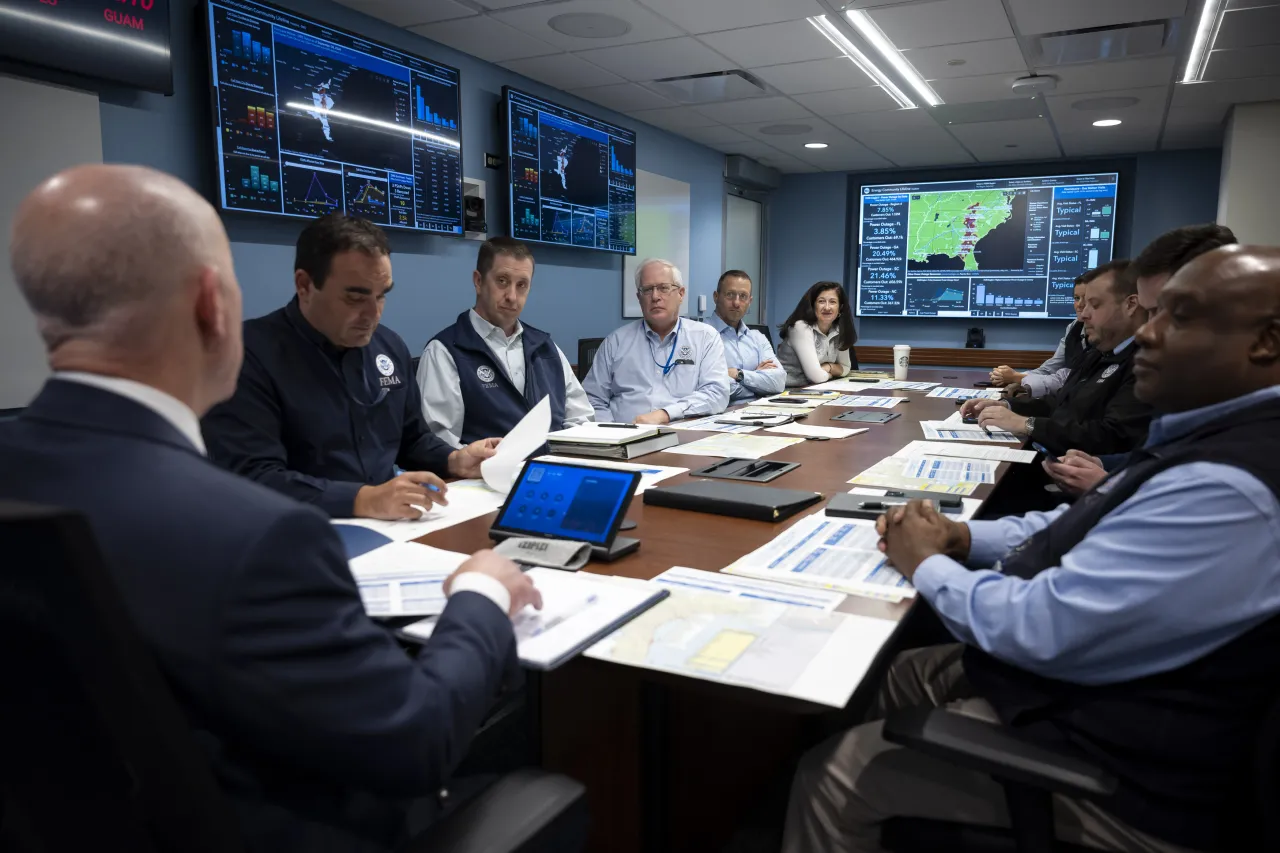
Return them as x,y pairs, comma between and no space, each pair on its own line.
1138,628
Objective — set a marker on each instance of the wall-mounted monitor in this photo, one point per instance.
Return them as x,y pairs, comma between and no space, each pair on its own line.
1003,247
573,176
104,39
312,119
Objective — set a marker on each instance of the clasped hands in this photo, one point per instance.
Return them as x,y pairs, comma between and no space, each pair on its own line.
995,414
912,533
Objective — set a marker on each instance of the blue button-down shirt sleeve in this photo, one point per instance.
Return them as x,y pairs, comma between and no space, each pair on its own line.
1044,384
760,383
600,379
1056,361
711,396
1188,563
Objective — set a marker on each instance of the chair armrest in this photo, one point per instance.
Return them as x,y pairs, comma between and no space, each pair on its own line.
514,813
997,750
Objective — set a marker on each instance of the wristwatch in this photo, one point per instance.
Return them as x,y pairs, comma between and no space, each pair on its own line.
1031,425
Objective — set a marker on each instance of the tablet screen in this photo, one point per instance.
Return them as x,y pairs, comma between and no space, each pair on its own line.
567,502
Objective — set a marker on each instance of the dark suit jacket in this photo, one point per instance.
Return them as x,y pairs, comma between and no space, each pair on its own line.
319,726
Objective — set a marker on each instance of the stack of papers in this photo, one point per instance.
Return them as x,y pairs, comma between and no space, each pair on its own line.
603,433
950,431
468,499
864,401
846,385
895,385
965,451
404,578
712,424
950,393
940,469
888,474
736,446
650,475
819,431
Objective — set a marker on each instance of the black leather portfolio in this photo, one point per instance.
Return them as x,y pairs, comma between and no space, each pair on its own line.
760,503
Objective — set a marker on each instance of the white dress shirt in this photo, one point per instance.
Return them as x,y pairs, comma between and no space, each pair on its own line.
442,404
177,413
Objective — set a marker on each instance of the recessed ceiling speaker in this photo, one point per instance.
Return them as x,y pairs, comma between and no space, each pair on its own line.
1113,103
1035,84
589,25
786,129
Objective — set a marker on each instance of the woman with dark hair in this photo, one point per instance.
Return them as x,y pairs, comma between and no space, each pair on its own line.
818,337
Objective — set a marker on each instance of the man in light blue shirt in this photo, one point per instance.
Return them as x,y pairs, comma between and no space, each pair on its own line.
753,368
662,368
1139,628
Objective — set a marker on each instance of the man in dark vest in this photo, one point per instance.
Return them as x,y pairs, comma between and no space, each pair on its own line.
481,375
1139,628
1049,376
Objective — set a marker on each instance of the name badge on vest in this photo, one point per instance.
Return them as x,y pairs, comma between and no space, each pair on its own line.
686,355
387,368
486,375
1106,373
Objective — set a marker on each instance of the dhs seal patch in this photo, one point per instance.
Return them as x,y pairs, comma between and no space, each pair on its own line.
385,365
485,374
1106,373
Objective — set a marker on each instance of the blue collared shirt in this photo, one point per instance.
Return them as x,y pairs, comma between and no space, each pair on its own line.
744,348
1188,563
627,377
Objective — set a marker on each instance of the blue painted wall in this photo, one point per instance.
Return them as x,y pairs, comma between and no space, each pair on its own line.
576,293
810,232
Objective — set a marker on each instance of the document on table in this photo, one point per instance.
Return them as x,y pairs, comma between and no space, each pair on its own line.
468,499
499,471
696,580
823,431
951,393
736,446
943,431
828,553
949,469
771,409
650,475
709,424
965,451
864,401
895,385
846,385
887,474
577,610
404,578
969,506
798,652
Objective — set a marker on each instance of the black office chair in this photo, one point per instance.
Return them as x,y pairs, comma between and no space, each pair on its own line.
94,750
586,354
764,330
1030,775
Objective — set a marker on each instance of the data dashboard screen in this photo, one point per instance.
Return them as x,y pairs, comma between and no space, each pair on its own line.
1006,247
312,119
573,177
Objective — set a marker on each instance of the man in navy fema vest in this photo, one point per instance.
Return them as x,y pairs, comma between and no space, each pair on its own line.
325,409
1138,628
481,375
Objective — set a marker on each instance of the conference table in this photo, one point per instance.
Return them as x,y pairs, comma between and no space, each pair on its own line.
674,763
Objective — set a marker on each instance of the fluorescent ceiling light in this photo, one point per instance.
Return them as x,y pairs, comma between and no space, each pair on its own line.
1206,34
867,28
841,41
815,145
1106,122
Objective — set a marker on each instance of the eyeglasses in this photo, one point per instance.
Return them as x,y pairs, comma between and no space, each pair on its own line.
659,289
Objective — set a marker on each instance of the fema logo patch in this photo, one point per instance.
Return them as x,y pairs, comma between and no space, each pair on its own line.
385,365
1110,370
485,374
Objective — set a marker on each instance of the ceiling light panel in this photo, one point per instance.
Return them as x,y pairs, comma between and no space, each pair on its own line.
841,41
880,42
1202,43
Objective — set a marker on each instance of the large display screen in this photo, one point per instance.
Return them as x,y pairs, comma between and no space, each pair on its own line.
573,177
312,119
123,41
1006,247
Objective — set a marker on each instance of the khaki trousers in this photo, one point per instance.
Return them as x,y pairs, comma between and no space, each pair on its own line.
846,786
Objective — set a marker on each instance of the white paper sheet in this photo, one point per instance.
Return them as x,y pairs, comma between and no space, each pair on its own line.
650,475
708,424
851,386
746,417
941,469
943,431
965,451
824,431
895,385
969,506
735,446
468,499
864,401
696,580
593,432
404,578
499,471
952,393
887,474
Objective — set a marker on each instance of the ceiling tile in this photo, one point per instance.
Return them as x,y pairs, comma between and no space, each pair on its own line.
404,13
1025,139
1243,62
920,147
624,97
534,20
748,147
674,118
1100,140
1052,16
1213,114
854,157
485,38
755,109
561,70
971,90
787,164
1226,92
1248,4
1101,76
707,16
819,131
1148,112
848,101
818,75
772,44
716,135
943,22
884,121
503,4
1000,56
656,59
1249,27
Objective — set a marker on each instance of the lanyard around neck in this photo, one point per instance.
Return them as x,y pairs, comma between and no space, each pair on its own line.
675,340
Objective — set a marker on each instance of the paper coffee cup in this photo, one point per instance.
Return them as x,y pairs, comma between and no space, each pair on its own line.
901,361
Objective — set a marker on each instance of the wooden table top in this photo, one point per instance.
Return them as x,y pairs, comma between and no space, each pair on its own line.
671,537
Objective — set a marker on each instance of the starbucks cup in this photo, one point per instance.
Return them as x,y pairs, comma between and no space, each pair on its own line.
901,361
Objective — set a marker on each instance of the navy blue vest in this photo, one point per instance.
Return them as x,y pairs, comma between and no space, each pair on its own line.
493,405
1181,742
1076,344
